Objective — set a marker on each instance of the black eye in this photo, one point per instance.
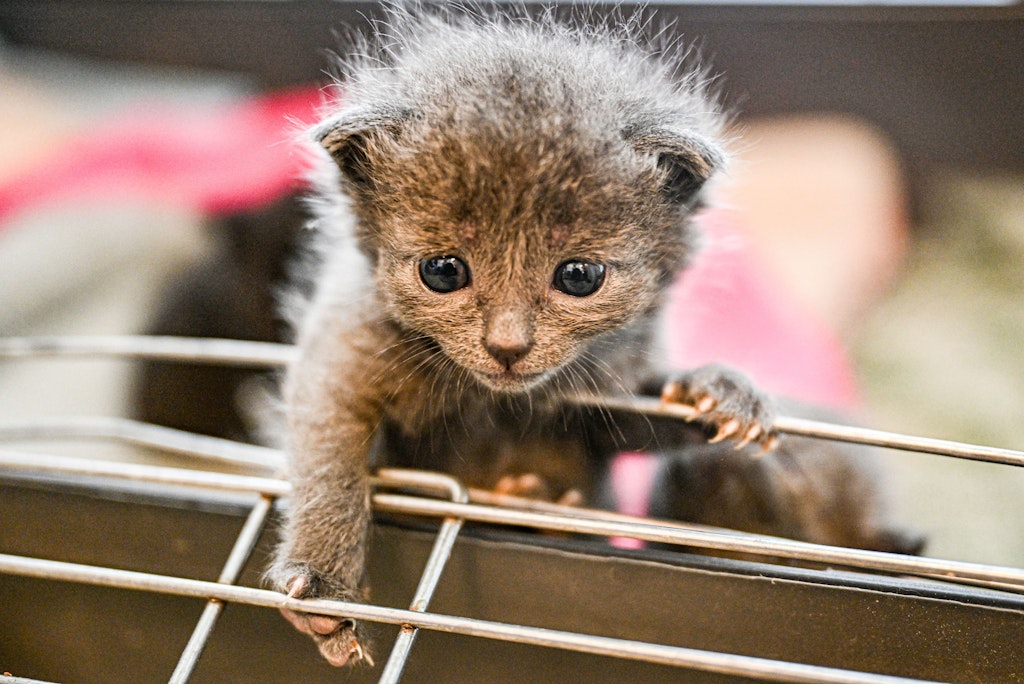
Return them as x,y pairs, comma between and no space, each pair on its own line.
444,273
579,278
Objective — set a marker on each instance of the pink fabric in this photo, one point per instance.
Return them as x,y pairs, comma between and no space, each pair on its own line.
727,308
632,475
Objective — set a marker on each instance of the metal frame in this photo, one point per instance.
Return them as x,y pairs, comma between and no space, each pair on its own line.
437,497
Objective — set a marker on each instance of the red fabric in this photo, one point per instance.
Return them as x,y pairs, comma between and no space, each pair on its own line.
210,159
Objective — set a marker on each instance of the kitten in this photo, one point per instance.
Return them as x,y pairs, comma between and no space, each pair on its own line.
502,205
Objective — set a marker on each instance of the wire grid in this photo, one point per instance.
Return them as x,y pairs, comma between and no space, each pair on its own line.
442,498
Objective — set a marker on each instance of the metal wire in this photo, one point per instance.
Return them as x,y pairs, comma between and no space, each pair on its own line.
270,355
709,661
144,473
562,519
457,507
820,430
187,349
10,679
240,552
142,434
439,554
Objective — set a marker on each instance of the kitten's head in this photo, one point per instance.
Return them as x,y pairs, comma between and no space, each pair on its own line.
522,193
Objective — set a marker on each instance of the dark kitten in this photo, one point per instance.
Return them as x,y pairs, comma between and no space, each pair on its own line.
502,205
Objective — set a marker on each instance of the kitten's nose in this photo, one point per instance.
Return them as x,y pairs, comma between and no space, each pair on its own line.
509,337
508,355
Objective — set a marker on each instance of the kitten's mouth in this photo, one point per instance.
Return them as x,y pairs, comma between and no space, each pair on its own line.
512,381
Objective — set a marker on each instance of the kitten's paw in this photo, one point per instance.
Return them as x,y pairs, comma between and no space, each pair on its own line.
533,486
340,640
726,400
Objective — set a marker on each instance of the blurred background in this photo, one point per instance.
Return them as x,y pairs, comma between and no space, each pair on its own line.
147,161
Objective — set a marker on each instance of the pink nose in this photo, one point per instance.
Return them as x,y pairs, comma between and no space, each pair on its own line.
508,354
509,337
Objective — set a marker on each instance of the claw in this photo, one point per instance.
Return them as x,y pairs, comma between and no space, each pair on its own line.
727,429
297,586
669,391
770,444
572,497
705,404
675,393
341,649
360,654
749,436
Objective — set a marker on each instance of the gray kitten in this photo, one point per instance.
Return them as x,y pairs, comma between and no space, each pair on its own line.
502,205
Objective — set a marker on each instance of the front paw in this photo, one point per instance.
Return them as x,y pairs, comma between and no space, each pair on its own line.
728,402
533,486
340,640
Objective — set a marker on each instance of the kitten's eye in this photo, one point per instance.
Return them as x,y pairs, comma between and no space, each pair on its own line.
579,278
444,273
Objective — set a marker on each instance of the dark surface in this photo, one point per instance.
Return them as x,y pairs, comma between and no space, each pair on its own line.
232,293
945,83
64,632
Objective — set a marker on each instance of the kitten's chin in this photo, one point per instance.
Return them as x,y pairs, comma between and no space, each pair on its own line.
512,382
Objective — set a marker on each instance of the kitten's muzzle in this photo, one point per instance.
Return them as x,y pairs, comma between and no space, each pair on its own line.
511,381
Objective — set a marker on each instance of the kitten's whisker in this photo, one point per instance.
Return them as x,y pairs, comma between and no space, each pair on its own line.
615,379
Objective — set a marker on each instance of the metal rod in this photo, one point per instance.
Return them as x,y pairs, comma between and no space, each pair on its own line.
489,498
708,661
240,552
185,349
595,523
142,434
439,555
892,440
267,354
722,541
144,473
820,430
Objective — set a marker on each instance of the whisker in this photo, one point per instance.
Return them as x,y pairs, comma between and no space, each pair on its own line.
592,365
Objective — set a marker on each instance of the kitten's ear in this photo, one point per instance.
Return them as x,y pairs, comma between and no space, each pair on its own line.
687,159
351,137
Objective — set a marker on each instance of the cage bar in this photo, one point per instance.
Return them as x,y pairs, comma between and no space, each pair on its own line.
431,496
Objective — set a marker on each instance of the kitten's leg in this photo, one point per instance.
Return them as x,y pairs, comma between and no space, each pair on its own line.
724,399
332,412
806,489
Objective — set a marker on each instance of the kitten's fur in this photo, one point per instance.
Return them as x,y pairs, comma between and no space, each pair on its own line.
515,145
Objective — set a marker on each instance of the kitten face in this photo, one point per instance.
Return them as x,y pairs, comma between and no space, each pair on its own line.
517,205
511,324
515,296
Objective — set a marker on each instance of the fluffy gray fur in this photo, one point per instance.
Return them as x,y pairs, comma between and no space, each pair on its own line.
515,145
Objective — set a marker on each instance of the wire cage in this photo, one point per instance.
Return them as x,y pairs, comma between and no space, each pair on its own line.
131,572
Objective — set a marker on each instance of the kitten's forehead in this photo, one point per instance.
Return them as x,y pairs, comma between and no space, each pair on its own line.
540,233
495,240
555,189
